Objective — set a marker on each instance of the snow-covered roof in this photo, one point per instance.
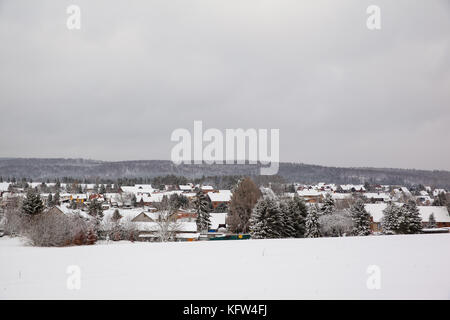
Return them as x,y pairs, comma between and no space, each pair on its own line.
405,191
127,214
4,186
67,211
341,196
189,194
377,195
357,187
207,188
220,196
440,213
154,197
436,192
179,226
217,218
310,193
187,235
185,187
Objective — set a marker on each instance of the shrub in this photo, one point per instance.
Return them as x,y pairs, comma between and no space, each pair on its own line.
55,230
336,224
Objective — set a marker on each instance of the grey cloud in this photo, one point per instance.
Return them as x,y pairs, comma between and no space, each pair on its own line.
340,94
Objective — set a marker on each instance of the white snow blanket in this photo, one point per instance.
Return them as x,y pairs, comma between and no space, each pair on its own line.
374,267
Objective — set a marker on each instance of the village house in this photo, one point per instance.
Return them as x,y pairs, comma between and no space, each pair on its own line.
311,196
377,197
219,197
353,187
206,189
441,215
186,188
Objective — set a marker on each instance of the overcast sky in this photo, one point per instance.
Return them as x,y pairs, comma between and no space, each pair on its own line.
341,94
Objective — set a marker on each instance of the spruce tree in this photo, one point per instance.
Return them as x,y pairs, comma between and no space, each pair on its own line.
288,220
392,219
56,198
266,220
116,215
133,200
95,209
328,206
412,222
312,223
201,206
50,200
431,221
361,219
32,204
294,212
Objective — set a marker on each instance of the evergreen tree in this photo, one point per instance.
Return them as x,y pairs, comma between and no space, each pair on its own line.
266,220
56,198
102,189
133,200
245,195
431,221
328,206
116,215
95,209
312,227
201,206
361,219
50,202
294,213
32,204
412,221
288,220
392,219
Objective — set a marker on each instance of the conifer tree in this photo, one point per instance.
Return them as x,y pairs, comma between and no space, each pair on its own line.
32,204
201,206
95,209
431,221
56,198
392,219
133,200
50,200
312,228
412,221
294,212
116,215
266,220
328,206
361,219
288,220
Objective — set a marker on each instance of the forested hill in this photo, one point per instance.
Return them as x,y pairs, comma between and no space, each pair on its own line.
42,169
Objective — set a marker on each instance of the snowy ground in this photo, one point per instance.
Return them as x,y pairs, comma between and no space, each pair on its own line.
412,267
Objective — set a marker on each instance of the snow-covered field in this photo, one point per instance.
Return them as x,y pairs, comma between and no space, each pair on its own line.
411,267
